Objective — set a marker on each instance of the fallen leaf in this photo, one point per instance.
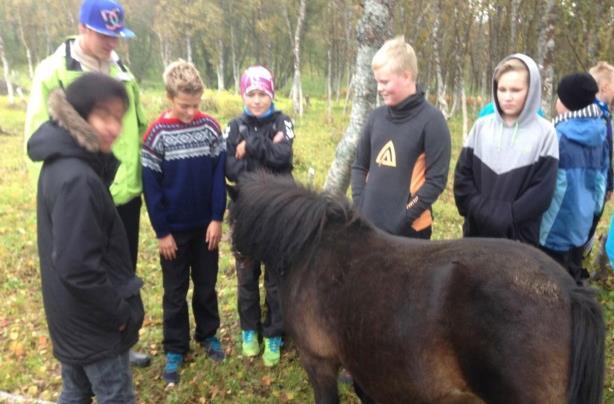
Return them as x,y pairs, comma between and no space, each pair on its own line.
266,380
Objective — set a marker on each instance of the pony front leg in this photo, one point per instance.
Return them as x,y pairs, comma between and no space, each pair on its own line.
322,375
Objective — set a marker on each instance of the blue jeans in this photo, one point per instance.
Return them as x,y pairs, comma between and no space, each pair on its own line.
110,380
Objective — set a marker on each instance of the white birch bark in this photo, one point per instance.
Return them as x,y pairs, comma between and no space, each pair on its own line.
7,73
297,88
22,36
442,104
188,48
233,59
220,66
514,23
546,55
372,30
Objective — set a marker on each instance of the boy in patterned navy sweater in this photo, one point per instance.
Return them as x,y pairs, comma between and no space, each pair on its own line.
183,161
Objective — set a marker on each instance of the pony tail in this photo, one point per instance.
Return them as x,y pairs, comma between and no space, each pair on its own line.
585,384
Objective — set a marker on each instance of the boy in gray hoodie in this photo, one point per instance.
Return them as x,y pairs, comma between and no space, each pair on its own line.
506,173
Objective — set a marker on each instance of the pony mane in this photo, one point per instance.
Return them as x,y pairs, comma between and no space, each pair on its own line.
279,222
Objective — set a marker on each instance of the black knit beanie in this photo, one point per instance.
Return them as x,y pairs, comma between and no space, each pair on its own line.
577,90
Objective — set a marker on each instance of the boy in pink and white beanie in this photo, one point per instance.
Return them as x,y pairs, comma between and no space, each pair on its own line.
257,78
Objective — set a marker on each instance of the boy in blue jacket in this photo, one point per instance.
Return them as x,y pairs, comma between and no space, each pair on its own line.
581,176
183,161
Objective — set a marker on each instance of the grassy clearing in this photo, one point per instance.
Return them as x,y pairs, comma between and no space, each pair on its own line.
28,367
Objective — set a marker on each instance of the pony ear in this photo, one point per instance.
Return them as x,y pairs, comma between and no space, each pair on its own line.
233,191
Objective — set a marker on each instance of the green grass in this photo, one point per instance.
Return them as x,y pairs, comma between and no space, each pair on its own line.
28,367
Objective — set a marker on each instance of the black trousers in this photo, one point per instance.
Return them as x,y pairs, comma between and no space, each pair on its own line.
571,260
194,260
248,274
130,213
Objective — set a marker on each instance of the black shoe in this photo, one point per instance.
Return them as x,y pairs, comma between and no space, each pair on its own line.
139,359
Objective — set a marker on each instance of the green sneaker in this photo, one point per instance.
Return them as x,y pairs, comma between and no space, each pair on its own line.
250,343
272,348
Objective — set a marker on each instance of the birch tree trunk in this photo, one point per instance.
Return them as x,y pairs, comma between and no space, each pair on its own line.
22,36
188,48
442,104
220,66
546,55
297,88
164,53
329,81
233,59
7,73
514,23
372,30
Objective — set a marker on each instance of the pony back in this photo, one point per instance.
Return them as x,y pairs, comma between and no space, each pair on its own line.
279,222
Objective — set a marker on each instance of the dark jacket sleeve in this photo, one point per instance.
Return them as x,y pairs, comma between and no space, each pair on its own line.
490,217
538,195
218,194
464,182
276,156
151,160
360,167
79,244
233,166
437,146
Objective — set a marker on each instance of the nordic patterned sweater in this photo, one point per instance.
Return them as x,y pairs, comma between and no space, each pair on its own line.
183,173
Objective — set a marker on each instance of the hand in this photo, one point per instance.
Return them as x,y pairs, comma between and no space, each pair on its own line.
213,234
240,152
279,137
608,196
168,247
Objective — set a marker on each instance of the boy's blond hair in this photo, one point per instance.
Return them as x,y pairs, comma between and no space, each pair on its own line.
182,76
397,55
511,65
602,72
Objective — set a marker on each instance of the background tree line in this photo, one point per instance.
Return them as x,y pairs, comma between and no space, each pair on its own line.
458,43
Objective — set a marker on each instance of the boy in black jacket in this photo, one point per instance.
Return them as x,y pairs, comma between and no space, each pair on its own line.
261,138
403,154
90,292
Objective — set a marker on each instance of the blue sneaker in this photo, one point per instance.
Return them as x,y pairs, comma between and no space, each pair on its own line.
171,370
213,348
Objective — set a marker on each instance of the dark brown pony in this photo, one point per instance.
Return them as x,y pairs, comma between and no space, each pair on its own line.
460,321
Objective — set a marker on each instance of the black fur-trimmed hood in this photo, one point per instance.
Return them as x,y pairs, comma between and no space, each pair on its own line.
68,135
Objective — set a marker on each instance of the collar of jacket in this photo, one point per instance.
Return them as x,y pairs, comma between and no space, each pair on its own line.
591,111
408,108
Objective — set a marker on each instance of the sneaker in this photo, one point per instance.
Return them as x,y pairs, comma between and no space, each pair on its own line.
213,349
272,348
139,359
171,370
250,343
